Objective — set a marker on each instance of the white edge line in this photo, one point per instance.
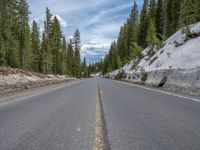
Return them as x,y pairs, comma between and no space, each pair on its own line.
159,91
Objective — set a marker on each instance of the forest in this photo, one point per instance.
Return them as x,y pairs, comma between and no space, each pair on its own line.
157,21
23,46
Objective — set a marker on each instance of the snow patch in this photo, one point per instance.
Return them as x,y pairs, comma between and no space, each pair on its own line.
177,61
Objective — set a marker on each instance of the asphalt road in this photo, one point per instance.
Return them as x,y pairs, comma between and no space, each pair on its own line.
136,119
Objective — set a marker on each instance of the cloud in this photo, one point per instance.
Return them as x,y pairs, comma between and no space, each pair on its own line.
95,50
40,21
106,28
107,13
99,21
62,21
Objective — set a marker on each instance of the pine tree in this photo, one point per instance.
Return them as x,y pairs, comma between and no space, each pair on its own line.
188,13
113,55
143,25
197,10
46,43
160,18
173,8
152,10
56,46
152,39
123,43
48,22
64,56
2,52
133,23
44,54
118,62
8,32
120,42
70,59
85,69
35,46
24,35
77,59
135,50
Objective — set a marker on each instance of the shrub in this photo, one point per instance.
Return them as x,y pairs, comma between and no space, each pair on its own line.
152,61
120,75
144,76
177,44
189,34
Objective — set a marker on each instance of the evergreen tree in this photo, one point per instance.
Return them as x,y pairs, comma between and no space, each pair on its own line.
2,52
133,23
46,43
85,69
113,55
123,43
64,56
135,50
8,33
24,34
48,22
77,59
173,8
56,46
120,42
160,18
188,13
152,10
152,39
118,62
70,59
144,18
197,10
36,51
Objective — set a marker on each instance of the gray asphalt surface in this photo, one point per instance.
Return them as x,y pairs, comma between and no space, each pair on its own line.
136,119
63,119
140,119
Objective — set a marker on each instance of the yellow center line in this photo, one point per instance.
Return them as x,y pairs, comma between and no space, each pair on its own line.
99,137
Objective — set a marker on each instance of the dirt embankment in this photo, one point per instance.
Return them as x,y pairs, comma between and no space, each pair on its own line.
16,79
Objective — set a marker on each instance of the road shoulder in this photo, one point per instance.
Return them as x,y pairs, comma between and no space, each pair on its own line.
162,90
22,94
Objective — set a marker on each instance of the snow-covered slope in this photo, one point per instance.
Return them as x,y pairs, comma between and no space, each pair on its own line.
185,56
177,56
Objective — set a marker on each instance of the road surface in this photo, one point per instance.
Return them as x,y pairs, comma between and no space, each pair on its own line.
133,118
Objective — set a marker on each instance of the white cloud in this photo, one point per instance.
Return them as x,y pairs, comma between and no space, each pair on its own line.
62,21
107,13
99,21
40,22
107,28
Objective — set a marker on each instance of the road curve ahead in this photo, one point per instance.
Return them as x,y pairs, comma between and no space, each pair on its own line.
132,118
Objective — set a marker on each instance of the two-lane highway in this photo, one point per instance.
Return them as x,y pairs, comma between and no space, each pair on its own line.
134,118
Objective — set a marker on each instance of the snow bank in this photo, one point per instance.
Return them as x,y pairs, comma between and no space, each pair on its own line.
16,79
171,56
176,64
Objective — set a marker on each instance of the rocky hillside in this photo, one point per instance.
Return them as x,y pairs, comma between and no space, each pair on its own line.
176,65
16,79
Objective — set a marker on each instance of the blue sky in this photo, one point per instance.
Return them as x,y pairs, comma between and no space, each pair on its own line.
99,21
